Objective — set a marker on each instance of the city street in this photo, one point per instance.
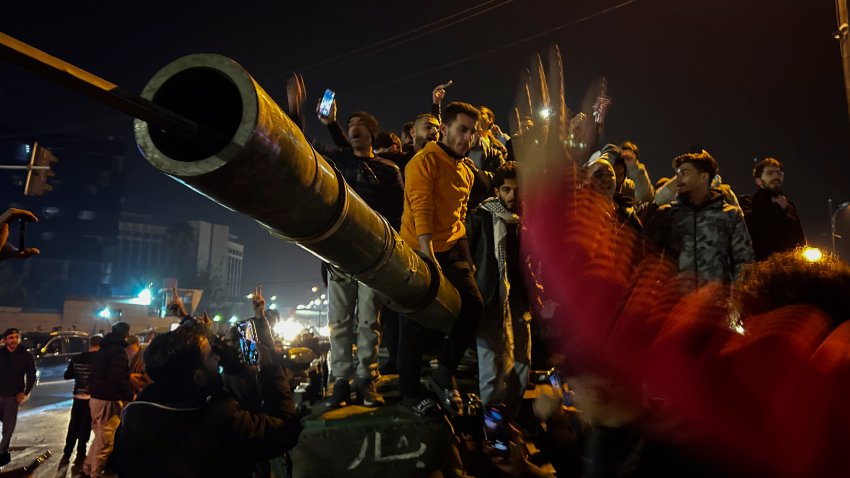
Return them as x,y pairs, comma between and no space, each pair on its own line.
42,423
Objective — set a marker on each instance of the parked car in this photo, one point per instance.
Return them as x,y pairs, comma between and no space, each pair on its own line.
53,351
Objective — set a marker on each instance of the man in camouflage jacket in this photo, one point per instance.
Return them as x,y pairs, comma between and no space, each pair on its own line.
706,236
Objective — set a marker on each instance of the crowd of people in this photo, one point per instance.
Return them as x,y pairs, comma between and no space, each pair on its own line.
456,189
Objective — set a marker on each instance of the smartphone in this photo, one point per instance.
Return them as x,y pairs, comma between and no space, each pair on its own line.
496,429
248,342
22,235
558,385
327,101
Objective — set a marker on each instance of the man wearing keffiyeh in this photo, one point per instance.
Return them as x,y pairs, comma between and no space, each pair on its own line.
504,349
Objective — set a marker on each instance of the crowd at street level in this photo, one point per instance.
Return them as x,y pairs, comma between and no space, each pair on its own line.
189,406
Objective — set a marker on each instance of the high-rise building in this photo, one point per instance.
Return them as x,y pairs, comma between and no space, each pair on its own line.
196,253
218,255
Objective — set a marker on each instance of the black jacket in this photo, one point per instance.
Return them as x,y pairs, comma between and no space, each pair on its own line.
110,375
79,368
17,372
479,234
771,228
166,434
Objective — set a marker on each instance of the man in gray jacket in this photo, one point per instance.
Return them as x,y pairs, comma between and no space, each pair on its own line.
706,236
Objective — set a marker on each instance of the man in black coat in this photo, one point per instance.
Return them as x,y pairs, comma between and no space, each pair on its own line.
184,425
771,218
17,378
503,335
110,391
79,427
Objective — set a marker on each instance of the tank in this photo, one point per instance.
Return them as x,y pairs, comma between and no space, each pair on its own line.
258,163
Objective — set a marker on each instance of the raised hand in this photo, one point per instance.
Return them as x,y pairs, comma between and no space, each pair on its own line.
176,306
296,95
440,92
258,302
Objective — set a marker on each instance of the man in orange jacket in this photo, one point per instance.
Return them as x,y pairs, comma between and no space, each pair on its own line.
437,186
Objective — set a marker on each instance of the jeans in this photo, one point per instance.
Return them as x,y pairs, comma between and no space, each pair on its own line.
503,344
353,308
79,429
9,417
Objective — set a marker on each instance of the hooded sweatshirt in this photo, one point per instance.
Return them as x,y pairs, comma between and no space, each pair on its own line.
110,374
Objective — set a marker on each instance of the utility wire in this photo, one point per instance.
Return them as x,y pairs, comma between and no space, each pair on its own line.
488,52
398,40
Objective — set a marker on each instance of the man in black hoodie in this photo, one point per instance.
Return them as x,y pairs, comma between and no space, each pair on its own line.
17,378
110,391
79,428
185,425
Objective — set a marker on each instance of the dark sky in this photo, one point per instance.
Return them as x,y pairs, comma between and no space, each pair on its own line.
743,79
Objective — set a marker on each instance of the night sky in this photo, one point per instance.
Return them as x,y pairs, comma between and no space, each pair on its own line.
743,79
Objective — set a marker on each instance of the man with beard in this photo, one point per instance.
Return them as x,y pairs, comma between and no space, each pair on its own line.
437,188
184,424
17,378
772,219
503,336
703,234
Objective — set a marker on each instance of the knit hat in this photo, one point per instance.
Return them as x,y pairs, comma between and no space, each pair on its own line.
371,122
10,330
121,328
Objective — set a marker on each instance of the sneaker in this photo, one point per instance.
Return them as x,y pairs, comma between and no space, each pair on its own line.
367,392
341,394
423,407
64,461
5,458
449,398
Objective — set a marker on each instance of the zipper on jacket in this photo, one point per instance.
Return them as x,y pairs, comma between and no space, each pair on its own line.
696,257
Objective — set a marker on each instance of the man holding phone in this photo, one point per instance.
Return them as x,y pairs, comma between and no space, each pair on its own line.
352,306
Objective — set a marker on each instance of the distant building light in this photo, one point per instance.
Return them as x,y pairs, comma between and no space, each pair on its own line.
234,319
144,298
174,326
217,318
323,296
274,297
315,289
249,296
86,215
105,314
273,307
325,302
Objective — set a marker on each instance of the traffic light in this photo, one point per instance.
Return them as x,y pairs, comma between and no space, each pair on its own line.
38,171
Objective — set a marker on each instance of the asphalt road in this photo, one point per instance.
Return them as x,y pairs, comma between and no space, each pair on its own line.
42,423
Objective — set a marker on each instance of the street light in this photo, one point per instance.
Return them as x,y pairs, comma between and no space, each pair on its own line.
105,314
315,289
832,216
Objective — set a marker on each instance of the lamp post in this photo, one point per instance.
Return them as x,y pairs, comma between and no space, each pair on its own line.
832,216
